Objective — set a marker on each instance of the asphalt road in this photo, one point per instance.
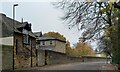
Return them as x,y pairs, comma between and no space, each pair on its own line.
79,66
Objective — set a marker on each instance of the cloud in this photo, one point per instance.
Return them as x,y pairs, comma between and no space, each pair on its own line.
28,0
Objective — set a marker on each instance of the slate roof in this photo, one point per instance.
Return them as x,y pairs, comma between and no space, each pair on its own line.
31,34
43,38
6,24
37,34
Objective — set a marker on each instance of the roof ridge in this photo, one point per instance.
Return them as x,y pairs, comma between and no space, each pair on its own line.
2,14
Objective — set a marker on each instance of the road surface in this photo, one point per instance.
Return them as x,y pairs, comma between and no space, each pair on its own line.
79,66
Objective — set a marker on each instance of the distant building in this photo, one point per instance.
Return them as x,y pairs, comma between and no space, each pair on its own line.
50,43
24,43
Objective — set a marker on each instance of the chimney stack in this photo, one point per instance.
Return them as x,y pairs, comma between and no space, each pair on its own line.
22,20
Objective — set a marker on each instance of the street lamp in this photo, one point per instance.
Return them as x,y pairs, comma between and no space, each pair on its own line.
14,15
14,27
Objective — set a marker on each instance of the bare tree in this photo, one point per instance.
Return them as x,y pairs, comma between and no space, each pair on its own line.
92,17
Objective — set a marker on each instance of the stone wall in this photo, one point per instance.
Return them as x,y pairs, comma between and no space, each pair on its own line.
55,57
46,57
40,57
24,54
7,57
93,59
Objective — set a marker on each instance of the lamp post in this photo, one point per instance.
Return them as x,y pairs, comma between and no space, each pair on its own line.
14,15
14,27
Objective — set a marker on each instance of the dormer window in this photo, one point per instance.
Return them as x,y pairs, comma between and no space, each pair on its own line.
25,36
26,39
25,31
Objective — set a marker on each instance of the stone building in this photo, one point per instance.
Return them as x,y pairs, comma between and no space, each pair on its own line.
22,41
50,43
24,47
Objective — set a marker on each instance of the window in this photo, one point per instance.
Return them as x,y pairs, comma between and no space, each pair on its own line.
40,42
25,39
50,42
43,43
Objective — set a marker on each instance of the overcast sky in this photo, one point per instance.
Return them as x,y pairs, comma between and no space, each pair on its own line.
43,16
